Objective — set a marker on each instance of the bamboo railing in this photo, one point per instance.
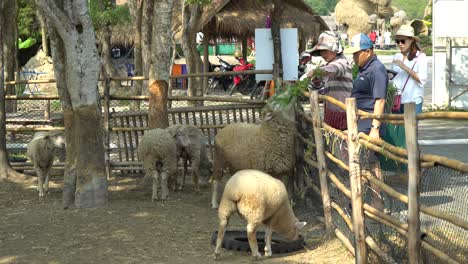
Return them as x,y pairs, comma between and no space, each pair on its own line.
410,229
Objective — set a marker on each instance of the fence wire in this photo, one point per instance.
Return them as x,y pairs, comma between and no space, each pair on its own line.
441,188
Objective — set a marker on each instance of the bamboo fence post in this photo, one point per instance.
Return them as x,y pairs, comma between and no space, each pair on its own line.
355,178
320,150
106,123
414,170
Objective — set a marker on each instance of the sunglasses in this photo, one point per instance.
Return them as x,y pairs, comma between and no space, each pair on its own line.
402,41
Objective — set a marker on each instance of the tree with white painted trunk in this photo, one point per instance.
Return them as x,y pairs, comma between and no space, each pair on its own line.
76,66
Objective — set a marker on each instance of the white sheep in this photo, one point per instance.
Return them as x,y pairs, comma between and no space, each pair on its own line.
195,152
268,147
41,152
259,199
158,151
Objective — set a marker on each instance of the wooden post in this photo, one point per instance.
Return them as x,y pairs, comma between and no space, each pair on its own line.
206,61
107,127
244,48
157,108
314,109
414,171
355,178
47,111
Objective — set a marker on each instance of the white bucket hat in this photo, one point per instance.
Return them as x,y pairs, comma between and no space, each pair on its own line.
407,31
327,40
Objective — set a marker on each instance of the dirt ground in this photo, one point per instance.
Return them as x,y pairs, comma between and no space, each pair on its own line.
130,229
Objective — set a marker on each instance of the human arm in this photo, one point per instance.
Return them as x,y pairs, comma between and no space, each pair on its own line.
378,110
419,70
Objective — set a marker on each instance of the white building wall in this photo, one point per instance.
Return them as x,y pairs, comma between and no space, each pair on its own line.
449,21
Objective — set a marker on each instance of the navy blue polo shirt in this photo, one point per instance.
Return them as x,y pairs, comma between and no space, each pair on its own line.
369,85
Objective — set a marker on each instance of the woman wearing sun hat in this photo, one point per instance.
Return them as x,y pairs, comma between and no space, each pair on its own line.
411,66
338,79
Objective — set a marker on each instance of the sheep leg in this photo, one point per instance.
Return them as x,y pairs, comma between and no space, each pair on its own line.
268,233
46,181
40,179
185,161
164,188
252,236
195,164
214,195
155,186
226,209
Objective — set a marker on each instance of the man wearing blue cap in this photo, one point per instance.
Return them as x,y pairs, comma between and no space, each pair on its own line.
369,89
370,85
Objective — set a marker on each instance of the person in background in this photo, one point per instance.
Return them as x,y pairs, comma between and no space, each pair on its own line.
373,36
338,79
369,89
411,67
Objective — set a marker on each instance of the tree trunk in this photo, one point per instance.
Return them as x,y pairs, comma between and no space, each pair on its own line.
146,40
10,36
45,43
161,41
6,172
191,21
275,34
106,59
136,9
76,66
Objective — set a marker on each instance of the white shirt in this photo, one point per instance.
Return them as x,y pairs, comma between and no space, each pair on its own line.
414,91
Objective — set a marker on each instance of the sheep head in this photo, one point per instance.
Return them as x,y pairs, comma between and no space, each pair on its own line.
57,138
182,140
281,112
293,232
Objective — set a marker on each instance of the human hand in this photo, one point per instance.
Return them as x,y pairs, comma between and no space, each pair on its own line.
398,63
374,133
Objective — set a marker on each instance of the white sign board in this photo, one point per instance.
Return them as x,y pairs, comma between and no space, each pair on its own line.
264,53
449,18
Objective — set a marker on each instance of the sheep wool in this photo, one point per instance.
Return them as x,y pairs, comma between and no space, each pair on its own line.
195,152
40,151
157,149
259,199
268,147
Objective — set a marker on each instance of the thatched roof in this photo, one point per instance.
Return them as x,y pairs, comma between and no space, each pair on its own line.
239,18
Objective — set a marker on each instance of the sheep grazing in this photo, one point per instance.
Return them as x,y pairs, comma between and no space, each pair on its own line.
158,151
259,199
195,152
268,147
41,152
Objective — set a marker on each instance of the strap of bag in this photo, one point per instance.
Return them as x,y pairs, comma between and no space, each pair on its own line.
407,79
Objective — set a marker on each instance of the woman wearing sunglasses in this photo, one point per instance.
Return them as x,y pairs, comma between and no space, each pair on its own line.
411,67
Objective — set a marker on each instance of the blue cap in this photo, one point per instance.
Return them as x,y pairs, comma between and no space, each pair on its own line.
359,42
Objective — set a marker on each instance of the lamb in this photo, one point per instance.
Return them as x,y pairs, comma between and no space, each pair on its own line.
195,152
268,147
41,152
259,199
158,151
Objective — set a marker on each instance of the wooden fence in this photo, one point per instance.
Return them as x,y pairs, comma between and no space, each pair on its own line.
126,128
410,229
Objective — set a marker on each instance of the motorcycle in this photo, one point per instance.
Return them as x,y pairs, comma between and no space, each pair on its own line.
243,83
217,82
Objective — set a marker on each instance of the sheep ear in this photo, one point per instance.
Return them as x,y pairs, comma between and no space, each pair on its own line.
300,225
268,116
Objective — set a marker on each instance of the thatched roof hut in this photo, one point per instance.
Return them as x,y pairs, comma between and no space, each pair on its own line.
229,19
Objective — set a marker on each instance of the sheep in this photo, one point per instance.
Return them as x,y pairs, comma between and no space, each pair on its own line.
41,152
195,152
259,199
268,147
158,151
